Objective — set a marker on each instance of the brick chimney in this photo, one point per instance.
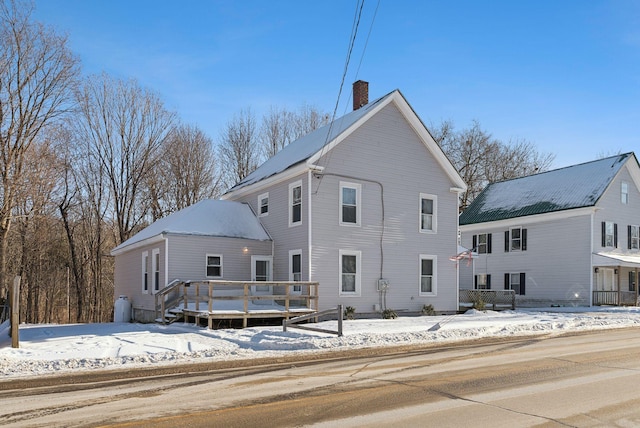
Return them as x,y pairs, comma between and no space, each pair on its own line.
360,94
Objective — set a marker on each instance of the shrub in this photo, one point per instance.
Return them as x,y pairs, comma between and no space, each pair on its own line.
428,310
478,304
389,314
350,312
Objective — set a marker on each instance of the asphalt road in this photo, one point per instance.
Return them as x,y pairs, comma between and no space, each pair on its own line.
583,380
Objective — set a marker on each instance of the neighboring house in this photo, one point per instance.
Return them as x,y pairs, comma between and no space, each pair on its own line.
570,236
366,206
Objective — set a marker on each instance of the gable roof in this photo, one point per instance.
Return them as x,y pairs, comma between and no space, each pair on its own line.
313,145
206,218
576,186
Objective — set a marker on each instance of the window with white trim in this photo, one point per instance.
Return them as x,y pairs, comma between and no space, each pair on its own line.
263,205
350,204
482,243
624,193
295,269
609,234
145,272
482,281
295,203
428,213
518,240
214,266
515,282
155,268
633,235
350,272
428,277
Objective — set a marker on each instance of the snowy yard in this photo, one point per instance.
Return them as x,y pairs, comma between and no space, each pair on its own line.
46,349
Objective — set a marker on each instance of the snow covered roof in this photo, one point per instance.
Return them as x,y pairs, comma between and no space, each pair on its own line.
205,218
566,188
305,147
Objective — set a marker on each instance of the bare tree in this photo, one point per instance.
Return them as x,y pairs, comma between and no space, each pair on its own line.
480,159
186,172
238,148
37,71
280,127
124,127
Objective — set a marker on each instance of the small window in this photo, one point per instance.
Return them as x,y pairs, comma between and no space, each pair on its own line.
295,269
427,275
349,204
145,272
263,205
155,260
609,234
214,266
624,193
516,239
295,203
515,282
482,243
350,273
632,280
633,233
428,210
483,281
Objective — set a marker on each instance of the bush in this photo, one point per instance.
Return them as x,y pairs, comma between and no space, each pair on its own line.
389,314
479,304
350,312
428,310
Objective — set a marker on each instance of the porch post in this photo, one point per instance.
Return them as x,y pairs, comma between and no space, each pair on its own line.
636,285
619,270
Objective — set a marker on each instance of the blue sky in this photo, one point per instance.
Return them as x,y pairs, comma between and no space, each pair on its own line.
564,75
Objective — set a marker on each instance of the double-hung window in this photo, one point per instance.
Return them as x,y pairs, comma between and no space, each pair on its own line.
428,213
350,272
609,234
515,282
483,281
482,243
515,239
214,266
350,204
263,205
155,268
428,276
295,203
624,193
633,236
145,272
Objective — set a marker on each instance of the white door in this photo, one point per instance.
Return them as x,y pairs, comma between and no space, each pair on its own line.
261,271
606,280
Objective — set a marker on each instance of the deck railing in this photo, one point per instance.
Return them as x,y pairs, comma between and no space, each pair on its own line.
210,299
615,298
489,298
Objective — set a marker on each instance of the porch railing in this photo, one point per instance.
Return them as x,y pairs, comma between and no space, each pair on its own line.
616,298
489,298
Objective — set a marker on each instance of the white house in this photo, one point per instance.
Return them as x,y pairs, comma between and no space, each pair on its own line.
366,206
570,236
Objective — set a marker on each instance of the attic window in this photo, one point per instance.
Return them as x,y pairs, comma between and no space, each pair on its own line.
295,203
624,193
263,205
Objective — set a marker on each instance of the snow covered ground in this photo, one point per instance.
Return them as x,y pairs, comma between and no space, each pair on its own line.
48,349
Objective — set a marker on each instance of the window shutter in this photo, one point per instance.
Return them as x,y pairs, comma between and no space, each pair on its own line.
524,240
506,281
474,245
522,282
604,234
475,281
629,237
506,241
615,235
489,243
488,282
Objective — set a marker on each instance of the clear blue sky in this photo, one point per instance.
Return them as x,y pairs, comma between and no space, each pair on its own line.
564,75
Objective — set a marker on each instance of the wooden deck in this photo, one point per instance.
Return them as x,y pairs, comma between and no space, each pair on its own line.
232,300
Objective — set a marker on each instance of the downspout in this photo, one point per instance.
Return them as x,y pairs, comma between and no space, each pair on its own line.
309,227
591,262
166,260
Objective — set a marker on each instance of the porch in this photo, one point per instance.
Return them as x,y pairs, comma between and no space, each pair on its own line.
235,300
615,280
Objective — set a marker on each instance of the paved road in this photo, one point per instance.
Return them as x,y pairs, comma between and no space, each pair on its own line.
585,380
